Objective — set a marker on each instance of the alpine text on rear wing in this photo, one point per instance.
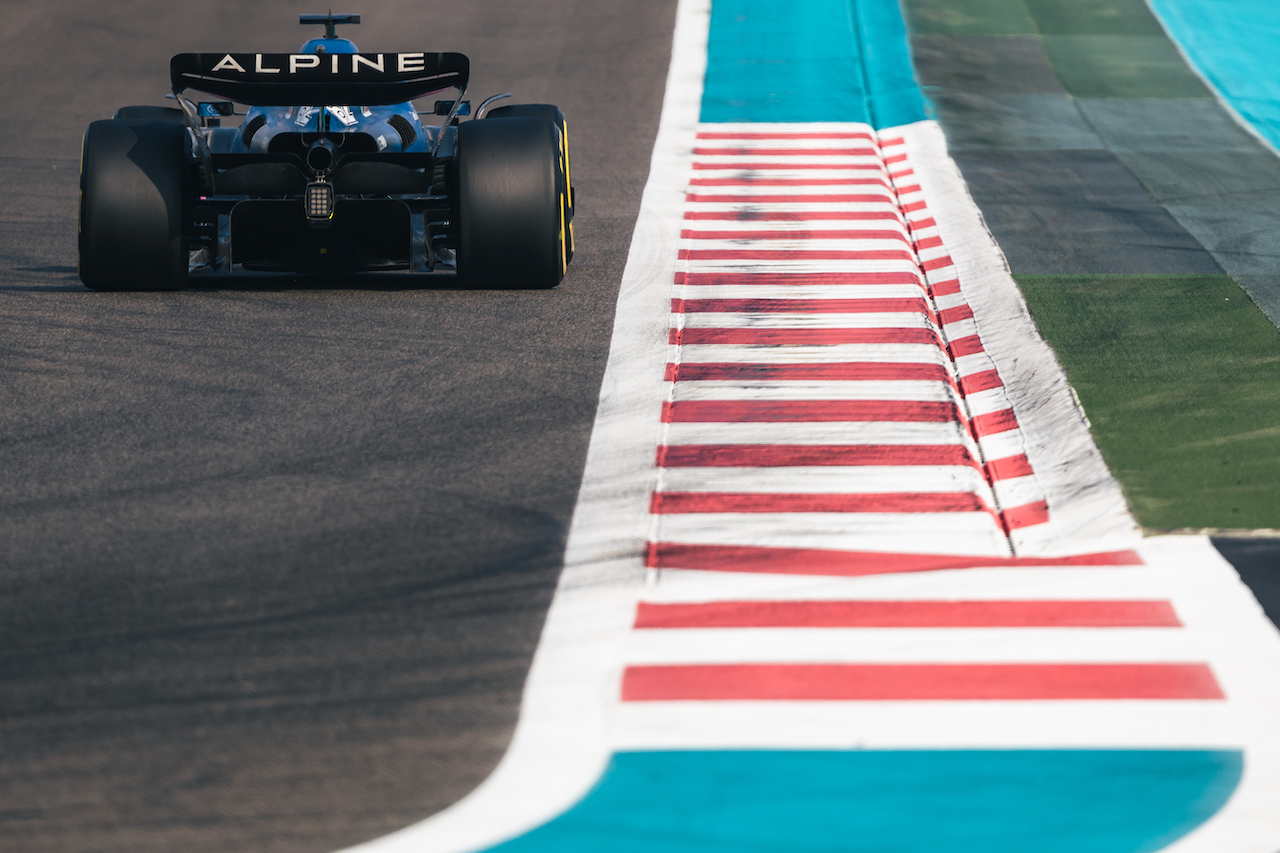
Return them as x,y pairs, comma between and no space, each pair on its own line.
289,79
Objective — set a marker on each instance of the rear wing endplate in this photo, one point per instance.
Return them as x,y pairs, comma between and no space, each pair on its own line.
317,79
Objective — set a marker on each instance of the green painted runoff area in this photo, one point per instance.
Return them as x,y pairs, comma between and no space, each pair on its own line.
1178,375
1099,48
1115,190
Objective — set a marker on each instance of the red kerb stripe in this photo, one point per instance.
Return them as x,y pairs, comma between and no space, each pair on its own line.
865,371
668,503
955,314
971,345
927,242
1010,467
1027,515
994,422
784,135
908,614
752,181
785,152
795,234
757,167
807,411
919,682
800,306
936,263
945,288
809,455
802,337
824,198
748,215
814,561
795,255
702,279
984,381
889,143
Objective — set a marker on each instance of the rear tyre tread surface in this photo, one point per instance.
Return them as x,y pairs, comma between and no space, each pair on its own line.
133,187
551,113
510,210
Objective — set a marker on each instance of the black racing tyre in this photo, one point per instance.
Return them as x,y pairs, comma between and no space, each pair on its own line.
146,113
550,112
511,221
133,185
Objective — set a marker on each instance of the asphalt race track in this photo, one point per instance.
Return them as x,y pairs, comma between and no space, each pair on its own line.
275,556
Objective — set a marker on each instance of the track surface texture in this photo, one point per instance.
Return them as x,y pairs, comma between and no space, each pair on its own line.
1099,159
274,557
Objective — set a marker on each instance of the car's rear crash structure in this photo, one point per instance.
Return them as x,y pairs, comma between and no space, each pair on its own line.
331,172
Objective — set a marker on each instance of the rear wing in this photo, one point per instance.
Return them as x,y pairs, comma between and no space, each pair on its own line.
318,79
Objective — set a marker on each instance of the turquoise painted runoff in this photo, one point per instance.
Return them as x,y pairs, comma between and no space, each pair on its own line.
882,801
816,60
1236,45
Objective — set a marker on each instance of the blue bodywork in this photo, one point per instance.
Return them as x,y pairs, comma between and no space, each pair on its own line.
374,121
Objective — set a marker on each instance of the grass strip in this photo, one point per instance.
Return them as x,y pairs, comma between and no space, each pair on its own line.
1180,378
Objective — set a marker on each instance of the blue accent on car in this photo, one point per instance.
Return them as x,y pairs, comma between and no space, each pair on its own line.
1235,46
334,45
891,801
820,60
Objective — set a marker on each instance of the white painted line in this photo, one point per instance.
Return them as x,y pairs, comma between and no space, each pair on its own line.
973,533
911,645
1019,491
847,433
1019,584
1108,724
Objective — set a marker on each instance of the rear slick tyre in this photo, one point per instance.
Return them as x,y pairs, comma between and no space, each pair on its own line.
511,222
552,113
132,196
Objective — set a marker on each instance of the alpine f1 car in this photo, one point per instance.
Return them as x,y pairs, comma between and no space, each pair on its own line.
331,171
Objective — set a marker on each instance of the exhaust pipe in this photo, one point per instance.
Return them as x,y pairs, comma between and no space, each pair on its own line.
321,156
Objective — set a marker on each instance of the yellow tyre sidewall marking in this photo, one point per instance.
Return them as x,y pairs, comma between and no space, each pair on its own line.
568,179
564,255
